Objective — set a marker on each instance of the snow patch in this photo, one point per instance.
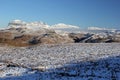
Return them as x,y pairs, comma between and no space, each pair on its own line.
63,26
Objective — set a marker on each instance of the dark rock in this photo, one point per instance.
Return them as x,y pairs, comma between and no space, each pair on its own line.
34,40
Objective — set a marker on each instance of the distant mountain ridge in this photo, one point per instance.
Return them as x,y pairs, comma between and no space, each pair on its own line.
20,33
37,25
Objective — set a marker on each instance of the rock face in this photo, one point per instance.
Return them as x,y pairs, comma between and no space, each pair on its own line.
105,38
77,37
80,37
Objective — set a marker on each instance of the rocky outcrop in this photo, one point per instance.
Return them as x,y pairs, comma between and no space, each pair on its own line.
80,37
105,38
95,38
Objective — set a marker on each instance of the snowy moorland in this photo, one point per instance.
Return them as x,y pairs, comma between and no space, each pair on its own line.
82,61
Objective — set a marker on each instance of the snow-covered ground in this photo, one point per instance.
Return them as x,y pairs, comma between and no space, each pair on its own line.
99,61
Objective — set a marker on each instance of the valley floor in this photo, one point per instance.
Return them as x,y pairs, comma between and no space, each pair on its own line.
81,61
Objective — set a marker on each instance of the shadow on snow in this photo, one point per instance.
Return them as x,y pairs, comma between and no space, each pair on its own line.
102,69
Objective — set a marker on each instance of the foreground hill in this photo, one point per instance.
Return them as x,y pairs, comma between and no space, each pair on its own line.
98,61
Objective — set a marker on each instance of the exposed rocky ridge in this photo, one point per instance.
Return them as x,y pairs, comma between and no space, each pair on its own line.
95,38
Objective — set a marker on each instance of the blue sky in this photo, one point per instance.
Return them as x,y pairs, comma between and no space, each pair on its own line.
83,13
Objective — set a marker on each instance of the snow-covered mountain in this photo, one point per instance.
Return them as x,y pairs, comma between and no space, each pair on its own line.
38,25
98,28
60,28
16,24
63,26
64,29
30,25
19,23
